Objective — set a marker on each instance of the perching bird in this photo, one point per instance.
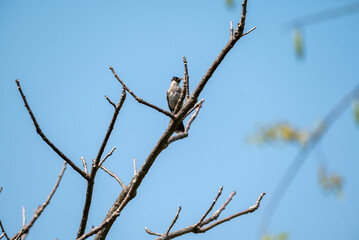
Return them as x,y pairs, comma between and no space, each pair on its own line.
173,94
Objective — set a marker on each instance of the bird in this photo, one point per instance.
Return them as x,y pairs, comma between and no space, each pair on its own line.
173,94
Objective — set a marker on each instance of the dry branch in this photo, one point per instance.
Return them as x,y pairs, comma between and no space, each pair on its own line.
129,192
42,135
140,100
3,232
202,225
113,175
96,165
25,229
174,220
108,154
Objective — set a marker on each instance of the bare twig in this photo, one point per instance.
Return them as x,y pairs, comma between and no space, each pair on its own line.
200,227
212,205
216,214
186,78
42,135
85,164
26,229
140,100
3,232
303,154
95,166
174,220
114,105
134,167
249,210
23,216
113,175
152,233
249,31
108,154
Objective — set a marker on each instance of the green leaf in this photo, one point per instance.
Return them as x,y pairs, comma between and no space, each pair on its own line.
298,42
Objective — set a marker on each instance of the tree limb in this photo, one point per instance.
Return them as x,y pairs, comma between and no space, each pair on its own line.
42,135
200,227
96,164
25,229
140,100
113,175
3,232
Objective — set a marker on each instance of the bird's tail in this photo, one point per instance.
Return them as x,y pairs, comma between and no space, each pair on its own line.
180,128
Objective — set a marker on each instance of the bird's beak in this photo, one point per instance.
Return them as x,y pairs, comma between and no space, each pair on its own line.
180,79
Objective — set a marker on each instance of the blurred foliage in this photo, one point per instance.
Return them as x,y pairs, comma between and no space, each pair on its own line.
280,236
280,132
356,110
330,183
298,43
230,3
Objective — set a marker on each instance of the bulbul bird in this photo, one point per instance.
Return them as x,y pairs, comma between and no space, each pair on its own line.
173,94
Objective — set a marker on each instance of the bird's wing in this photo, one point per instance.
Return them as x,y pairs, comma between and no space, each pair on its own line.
168,102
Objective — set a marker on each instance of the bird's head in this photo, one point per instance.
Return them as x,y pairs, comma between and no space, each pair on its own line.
176,79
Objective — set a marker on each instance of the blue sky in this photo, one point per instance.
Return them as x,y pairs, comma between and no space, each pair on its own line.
61,51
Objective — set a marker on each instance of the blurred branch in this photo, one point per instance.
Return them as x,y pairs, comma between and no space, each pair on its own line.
200,226
303,154
25,229
322,16
42,135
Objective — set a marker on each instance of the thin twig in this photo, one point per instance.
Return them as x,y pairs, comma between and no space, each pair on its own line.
152,233
3,230
212,205
249,31
216,214
140,100
42,135
85,164
113,175
26,229
114,105
108,154
23,216
249,210
174,220
134,167
186,78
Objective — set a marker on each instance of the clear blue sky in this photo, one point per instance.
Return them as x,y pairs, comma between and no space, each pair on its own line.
61,51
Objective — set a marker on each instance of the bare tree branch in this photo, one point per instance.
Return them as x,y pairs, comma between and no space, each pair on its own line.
95,166
3,232
231,30
152,233
174,220
303,154
113,175
249,31
85,164
200,227
114,105
185,133
212,205
25,229
186,78
140,100
134,167
42,135
108,154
